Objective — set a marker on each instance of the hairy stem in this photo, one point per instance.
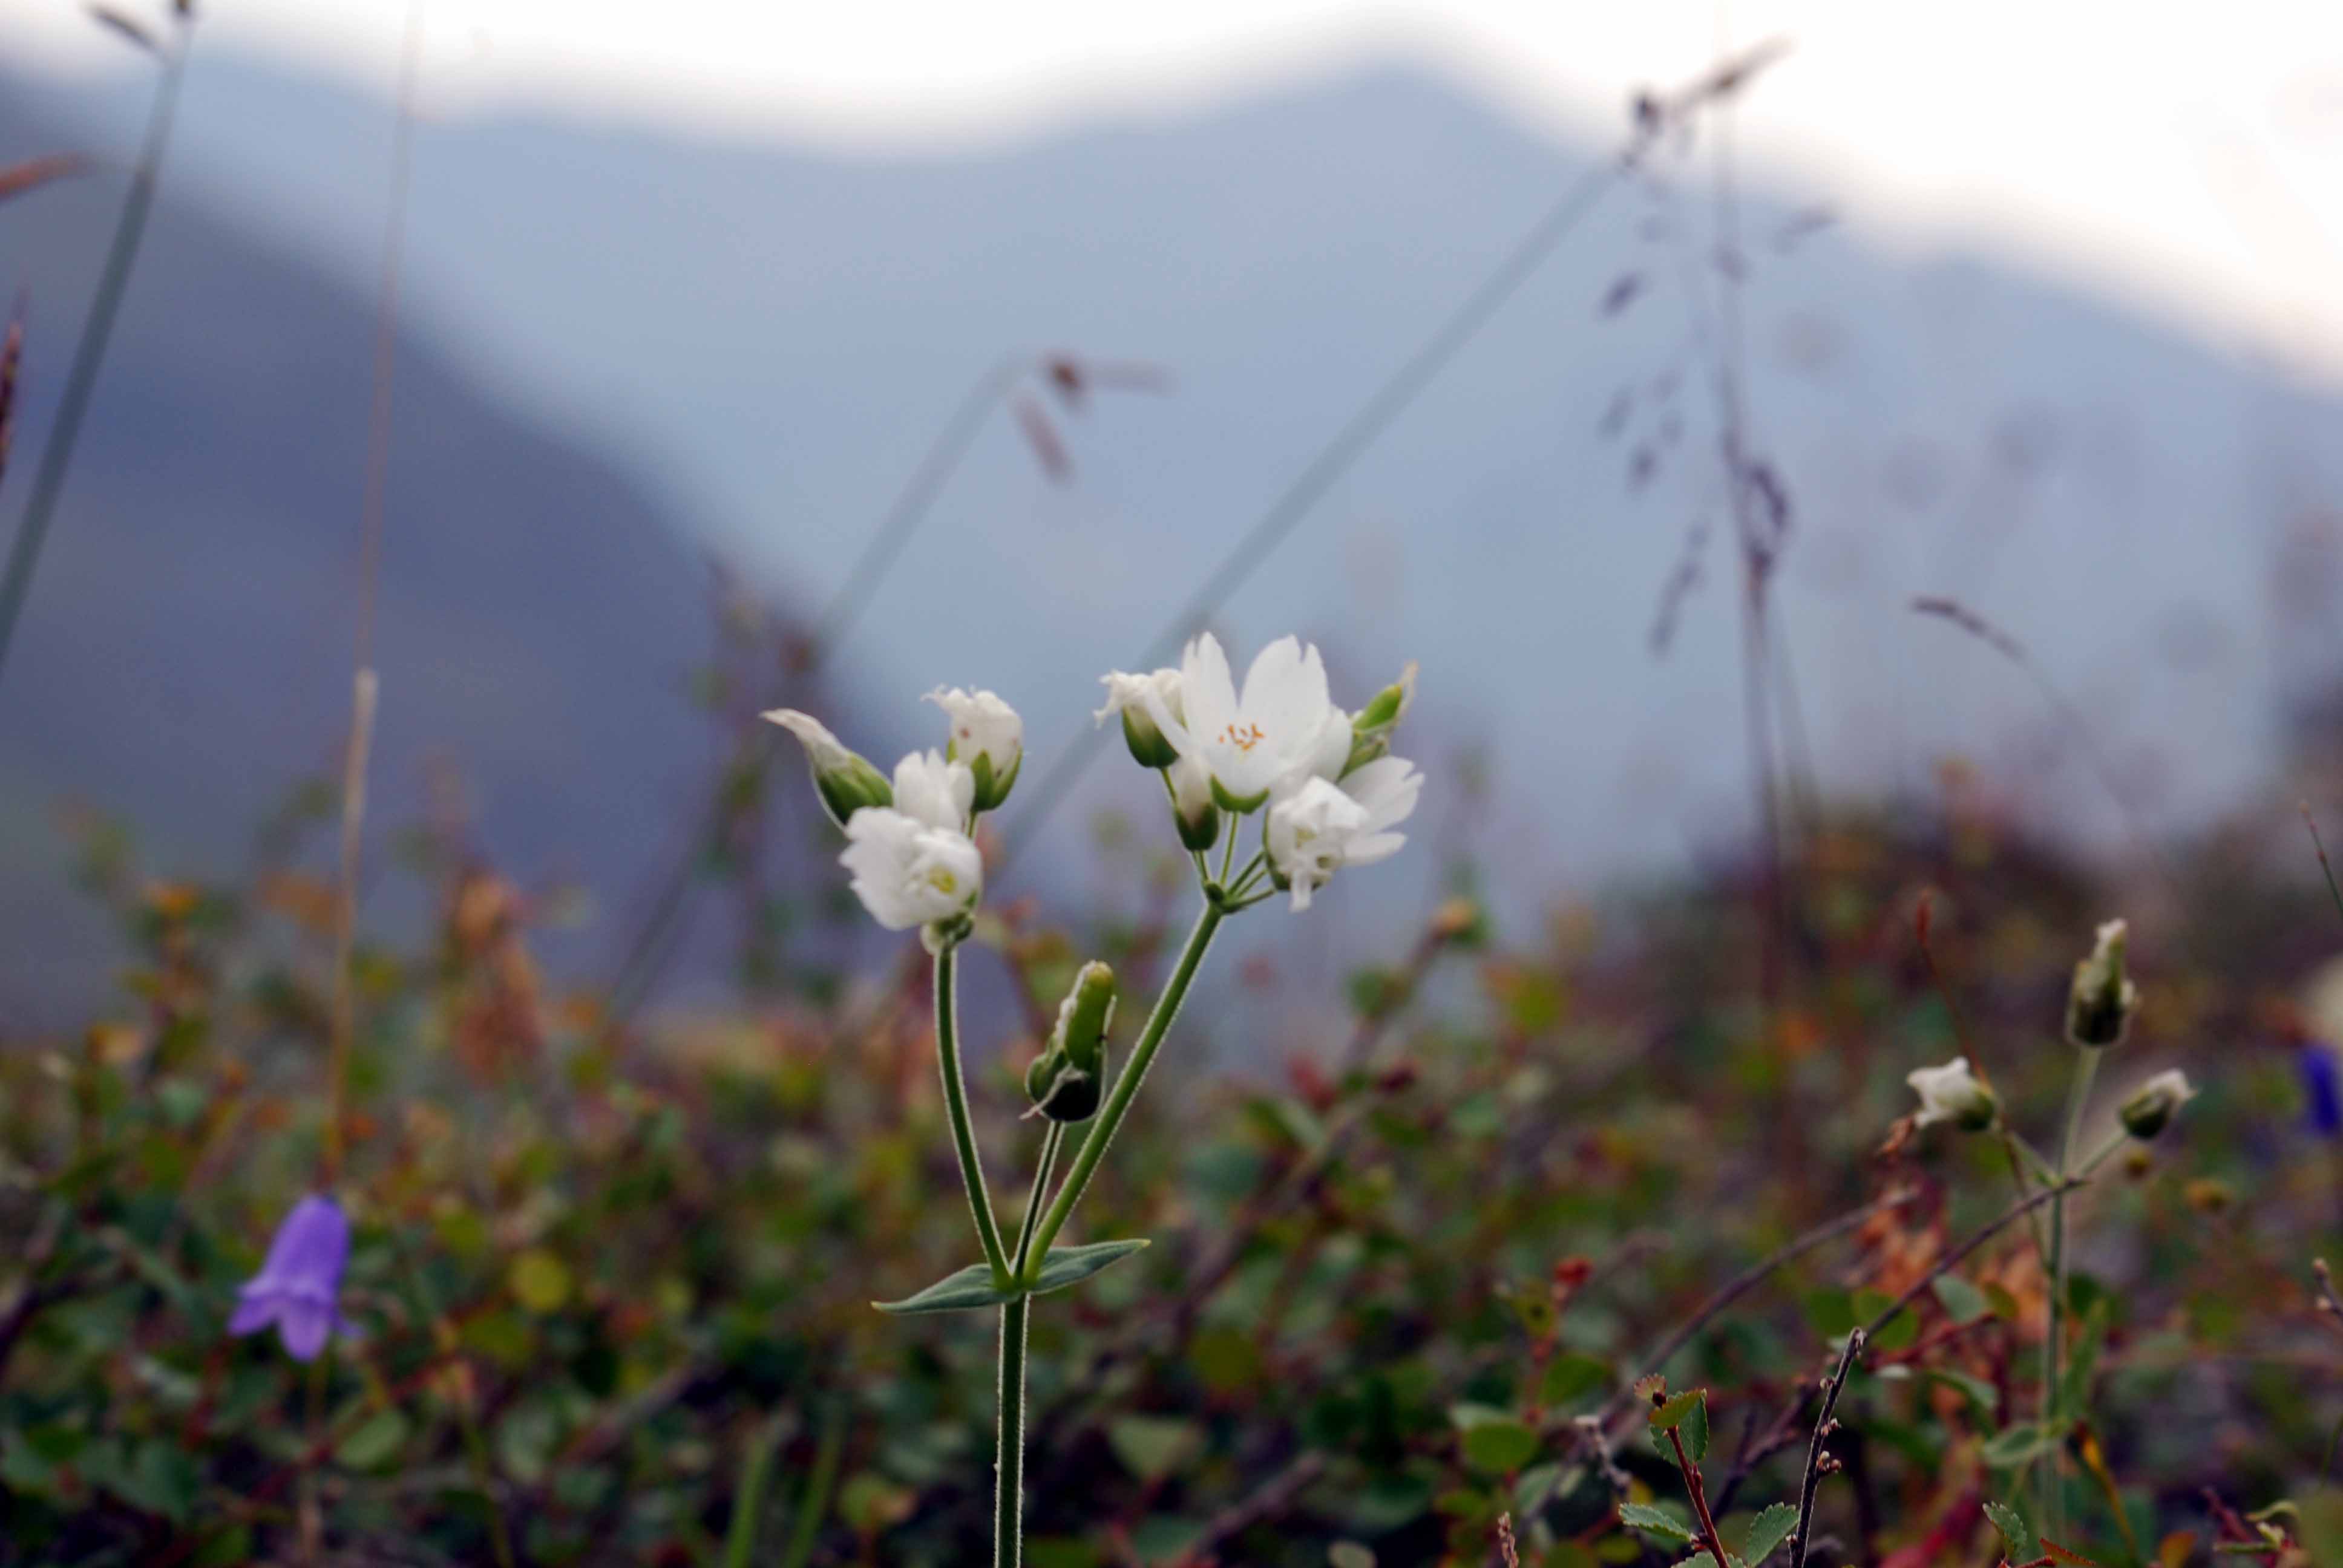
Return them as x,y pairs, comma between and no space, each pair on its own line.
971,1166
1008,1486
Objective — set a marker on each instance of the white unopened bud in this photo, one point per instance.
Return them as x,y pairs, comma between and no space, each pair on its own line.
1199,815
2099,1008
2155,1103
1127,695
987,736
1952,1093
845,780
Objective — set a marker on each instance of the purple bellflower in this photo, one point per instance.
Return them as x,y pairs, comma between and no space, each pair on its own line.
299,1284
2322,1093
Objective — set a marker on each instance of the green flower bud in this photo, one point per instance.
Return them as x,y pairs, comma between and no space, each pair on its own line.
845,781
1085,1016
1068,1079
1371,725
2099,1008
2154,1105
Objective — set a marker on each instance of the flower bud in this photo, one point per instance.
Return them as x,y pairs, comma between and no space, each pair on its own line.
2099,1008
987,736
1952,1093
1127,695
2155,1103
846,781
1371,725
1067,1080
1193,804
1085,1016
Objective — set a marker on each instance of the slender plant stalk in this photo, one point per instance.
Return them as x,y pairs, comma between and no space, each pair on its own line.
749,1502
815,1502
346,916
89,353
362,685
1126,1087
2077,1097
971,1164
1009,1435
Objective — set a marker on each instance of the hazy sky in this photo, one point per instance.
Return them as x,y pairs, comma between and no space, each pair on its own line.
2188,155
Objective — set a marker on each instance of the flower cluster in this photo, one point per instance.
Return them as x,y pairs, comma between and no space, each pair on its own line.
1332,792
910,844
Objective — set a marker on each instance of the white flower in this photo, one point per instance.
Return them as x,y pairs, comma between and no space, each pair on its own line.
987,736
1952,1093
1283,728
1127,695
933,792
907,873
2154,1104
1315,828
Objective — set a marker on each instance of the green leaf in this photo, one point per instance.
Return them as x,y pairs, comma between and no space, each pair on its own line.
2016,1533
1499,1447
377,1441
2075,1384
1962,1301
1152,1448
1688,1416
1571,1377
1769,1531
971,1289
2017,1445
1654,1522
1980,1392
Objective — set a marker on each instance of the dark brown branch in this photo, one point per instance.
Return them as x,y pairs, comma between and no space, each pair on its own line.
1699,1495
1823,1425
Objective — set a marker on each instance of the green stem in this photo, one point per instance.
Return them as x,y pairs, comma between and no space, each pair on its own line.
1118,1101
748,1500
1009,1437
96,329
972,1167
2077,1097
815,1504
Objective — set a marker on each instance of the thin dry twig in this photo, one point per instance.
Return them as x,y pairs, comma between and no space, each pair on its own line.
1743,1283
1817,1461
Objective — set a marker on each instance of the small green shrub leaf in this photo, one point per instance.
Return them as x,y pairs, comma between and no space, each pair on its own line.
1767,1532
1653,1521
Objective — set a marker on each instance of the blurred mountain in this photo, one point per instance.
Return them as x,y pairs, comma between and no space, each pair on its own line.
185,658
769,334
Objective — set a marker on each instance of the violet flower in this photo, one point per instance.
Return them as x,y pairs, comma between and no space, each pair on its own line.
2320,1089
300,1282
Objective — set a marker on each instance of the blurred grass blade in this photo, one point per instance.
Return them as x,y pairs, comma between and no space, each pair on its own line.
749,1502
814,1505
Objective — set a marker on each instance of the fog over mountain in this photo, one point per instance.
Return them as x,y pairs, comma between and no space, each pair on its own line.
753,343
